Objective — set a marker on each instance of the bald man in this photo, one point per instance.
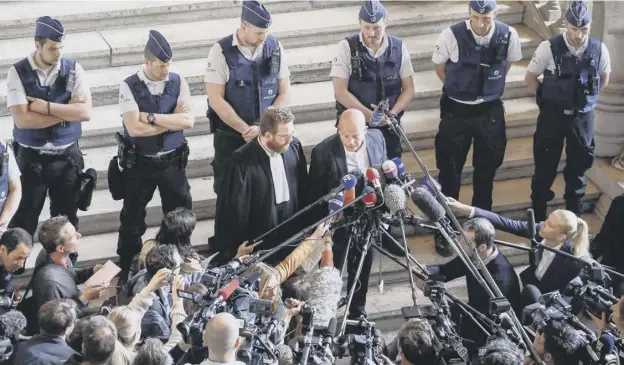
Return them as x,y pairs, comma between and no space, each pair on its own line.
353,147
221,338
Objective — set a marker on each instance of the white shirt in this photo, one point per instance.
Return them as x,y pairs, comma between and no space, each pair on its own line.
16,95
357,160
447,48
278,173
217,71
543,58
545,261
341,63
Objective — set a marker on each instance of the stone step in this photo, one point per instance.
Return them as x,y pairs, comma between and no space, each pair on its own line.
17,20
306,64
117,47
103,217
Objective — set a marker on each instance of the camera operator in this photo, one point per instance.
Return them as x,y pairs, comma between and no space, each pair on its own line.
500,351
15,248
602,326
607,246
482,233
221,338
557,344
547,271
416,344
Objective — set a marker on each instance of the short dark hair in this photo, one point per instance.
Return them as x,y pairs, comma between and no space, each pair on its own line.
12,237
176,229
484,232
417,342
562,342
50,232
152,353
56,316
272,117
161,257
98,339
500,351
74,340
149,56
41,40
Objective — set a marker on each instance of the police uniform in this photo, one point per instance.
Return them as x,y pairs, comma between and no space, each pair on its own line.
374,76
566,99
471,107
251,78
49,158
150,162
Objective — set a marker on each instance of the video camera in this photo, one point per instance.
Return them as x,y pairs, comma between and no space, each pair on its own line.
589,292
365,348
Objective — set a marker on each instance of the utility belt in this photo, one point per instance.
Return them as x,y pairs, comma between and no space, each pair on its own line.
448,105
87,180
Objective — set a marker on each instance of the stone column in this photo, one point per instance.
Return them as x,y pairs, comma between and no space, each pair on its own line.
609,134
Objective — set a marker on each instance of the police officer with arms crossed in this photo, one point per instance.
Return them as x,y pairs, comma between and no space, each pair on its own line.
371,67
246,73
49,99
575,68
155,107
472,59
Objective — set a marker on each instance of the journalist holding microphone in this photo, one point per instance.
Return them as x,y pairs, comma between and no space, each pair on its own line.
548,271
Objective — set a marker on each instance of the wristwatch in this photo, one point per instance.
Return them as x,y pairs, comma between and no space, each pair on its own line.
151,119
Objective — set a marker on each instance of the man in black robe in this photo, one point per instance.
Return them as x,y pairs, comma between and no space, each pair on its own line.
263,185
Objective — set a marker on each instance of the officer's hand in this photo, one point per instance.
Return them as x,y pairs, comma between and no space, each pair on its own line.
251,133
459,208
244,250
161,279
37,105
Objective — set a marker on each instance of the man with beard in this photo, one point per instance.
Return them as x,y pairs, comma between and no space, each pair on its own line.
384,71
263,185
49,99
246,73
576,68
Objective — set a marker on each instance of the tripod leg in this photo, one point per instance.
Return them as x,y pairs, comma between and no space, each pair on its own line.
408,263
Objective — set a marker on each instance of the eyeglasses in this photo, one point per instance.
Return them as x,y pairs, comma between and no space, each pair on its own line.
284,137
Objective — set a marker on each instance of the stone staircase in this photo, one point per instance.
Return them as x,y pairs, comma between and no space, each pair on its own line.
108,37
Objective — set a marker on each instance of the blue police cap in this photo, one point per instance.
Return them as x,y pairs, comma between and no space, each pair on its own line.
256,14
483,6
578,15
159,47
372,11
50,28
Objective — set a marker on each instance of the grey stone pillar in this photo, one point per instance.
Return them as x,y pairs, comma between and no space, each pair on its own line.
609,134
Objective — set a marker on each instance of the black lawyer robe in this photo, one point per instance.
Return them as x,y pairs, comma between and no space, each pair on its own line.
246,202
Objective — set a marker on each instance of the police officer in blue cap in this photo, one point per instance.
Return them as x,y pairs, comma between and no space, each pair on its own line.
49,99
156,109
246,73
576,68
371,67
472,59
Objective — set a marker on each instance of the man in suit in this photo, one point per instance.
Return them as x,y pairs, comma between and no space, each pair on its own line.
353,147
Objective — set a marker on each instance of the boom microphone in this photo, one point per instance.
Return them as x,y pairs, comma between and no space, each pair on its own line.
277,317
531,224
11,324
433,210
395,199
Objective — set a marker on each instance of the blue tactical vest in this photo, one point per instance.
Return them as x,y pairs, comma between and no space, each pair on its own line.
157,104
375,79
480,72
575,83
252,85
60,92
4,179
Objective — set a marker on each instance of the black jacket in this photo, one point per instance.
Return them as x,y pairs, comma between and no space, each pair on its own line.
42,350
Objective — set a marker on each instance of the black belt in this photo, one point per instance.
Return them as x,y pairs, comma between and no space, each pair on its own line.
44,155
470,109
160,161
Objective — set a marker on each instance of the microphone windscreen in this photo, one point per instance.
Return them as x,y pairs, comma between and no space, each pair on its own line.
605,345
372,175
531,223
382,177
400,166
369,199
12,323
348,181
331,327
394,198
428,183
360,181
336,202
285,355
229,289
390,170
427,204
323,294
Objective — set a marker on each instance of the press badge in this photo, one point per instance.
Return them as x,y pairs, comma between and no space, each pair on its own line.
71,81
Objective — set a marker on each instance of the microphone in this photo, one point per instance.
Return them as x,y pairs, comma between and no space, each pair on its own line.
224,293
395,199
347,183
433,210
378,116
11,324
275,320
531,224
390,170
372,175
370,197
382,177
335,204
359,179
428,184
400,166
605,345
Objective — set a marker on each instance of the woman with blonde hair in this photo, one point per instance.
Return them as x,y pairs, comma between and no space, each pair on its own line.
547,271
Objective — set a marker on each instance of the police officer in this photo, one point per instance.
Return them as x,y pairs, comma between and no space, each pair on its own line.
15,248
246,73
49,99
575,68
371,67
472,59
155,107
